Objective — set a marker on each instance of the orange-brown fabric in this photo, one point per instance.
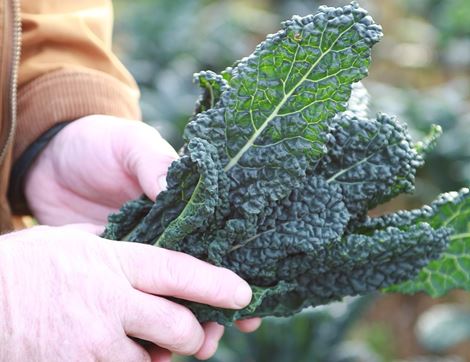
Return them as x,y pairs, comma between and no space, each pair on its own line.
67,68
67,71
63,33
68,94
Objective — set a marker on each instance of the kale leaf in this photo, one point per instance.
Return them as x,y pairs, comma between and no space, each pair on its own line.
273,115
280,168
372,160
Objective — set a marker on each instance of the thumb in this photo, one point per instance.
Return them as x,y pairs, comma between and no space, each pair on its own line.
151,166
152,180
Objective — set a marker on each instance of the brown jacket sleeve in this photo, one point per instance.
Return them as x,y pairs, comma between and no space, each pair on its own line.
67,68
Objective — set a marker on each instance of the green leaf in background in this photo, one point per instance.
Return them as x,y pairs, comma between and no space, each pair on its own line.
452,269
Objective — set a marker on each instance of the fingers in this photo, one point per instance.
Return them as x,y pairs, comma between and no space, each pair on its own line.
213,334
162,322
169,273
248,325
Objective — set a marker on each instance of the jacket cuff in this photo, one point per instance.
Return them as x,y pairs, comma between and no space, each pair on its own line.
16,196
70,94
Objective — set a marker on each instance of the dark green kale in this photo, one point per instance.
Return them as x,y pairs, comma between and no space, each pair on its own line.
372,160
280,168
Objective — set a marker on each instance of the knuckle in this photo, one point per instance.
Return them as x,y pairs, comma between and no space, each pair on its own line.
216,290
175,279
187,336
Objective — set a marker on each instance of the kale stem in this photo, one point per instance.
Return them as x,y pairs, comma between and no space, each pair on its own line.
174,231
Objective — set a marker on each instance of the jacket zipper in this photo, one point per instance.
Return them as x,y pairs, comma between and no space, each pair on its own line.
13,78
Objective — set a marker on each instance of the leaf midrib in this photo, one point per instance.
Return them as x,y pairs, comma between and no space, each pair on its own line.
233,161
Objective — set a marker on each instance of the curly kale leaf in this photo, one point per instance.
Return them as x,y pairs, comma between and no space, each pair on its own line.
452,269
372,160
281,141
357,264
300,256
273,118
301,224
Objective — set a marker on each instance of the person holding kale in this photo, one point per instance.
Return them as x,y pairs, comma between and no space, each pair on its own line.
71,152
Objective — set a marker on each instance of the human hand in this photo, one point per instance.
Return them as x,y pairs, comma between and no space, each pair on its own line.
68,295
94,165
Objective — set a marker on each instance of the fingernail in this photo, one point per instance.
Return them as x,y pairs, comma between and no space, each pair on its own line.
243,295
162,183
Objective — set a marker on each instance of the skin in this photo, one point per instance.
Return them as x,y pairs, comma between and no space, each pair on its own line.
73,296
93,294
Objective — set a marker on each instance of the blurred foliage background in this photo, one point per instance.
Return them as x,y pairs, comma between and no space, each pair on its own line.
420,72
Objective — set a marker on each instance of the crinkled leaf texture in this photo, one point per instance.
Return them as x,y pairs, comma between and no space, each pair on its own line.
279,169
271,121
372,160
307,239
